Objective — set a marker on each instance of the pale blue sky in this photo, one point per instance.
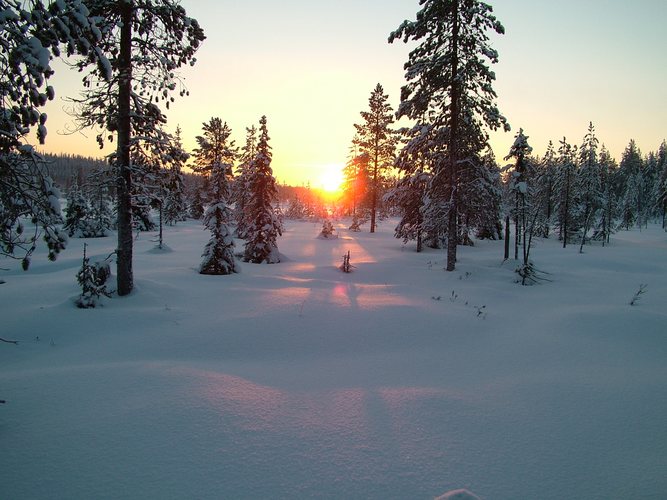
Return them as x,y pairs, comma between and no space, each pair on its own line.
310,67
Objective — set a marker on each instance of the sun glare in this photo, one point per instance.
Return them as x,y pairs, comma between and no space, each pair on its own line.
331,177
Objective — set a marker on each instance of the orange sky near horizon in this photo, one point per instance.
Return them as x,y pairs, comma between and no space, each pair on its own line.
310,68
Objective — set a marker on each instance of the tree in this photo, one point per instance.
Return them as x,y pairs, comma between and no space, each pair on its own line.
589,178
241,191
520,151
378,141
661,186
143,43
76,212
214,157
565,189
31,35
175,206
629,185
264,227
608,170
449,95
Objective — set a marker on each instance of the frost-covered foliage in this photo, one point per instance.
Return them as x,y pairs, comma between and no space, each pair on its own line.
214,158
450,98
93,280
29,206
408,196
264,225
31,35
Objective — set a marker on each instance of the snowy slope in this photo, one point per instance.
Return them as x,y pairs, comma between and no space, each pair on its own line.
296,380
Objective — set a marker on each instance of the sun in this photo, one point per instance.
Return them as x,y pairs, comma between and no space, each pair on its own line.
331,177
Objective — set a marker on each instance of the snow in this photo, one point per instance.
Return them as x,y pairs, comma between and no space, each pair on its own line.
296,380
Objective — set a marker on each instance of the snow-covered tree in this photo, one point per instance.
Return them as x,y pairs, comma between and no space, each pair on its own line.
76,212
264,226
545,179
214,157
660,195
175,207
377,141
519,186
241,189
31,35
449,96
142,44
355,180
630,186
565,189
608,200
589,177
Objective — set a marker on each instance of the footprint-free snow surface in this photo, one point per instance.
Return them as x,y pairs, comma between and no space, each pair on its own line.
295,380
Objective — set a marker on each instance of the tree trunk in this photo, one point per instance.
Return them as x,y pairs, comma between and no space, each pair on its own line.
507,237
124,179
455,92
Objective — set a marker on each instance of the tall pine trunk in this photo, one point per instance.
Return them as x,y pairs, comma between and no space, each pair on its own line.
452,230
124,179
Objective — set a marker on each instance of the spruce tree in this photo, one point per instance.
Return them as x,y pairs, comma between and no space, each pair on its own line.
519,187
377,141
661,186
241,189
608,171
565,189
449,96
214,157
76,212
264,225
589,185
175,207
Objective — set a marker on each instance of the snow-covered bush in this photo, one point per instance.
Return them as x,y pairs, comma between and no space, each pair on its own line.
93,280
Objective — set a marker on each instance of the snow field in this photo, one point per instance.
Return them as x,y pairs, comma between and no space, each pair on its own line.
295,380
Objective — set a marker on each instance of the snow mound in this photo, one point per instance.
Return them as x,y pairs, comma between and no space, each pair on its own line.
462,494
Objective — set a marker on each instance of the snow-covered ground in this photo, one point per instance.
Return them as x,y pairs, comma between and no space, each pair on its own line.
296,380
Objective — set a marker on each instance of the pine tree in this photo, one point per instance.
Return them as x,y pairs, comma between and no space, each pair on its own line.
175,207
589,185
565,189
241,189
355,180
608,170
449,95
519,187
545,183
215,156
378,141
661,186
76,212
141,46
629,182
264,227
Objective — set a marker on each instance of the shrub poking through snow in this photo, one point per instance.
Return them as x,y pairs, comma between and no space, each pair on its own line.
93,280
328,231
638,294
346,267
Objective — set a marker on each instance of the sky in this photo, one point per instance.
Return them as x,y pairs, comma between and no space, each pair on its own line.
310,68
